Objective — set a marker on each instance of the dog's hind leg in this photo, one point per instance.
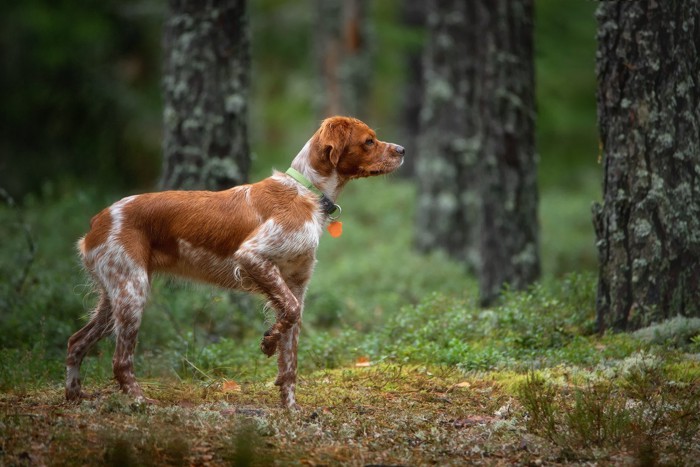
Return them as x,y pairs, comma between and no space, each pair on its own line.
80,343
129,302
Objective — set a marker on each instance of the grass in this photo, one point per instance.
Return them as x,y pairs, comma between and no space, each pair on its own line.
398,364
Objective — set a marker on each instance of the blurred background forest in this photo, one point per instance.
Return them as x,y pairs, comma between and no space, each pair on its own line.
81,90
81,126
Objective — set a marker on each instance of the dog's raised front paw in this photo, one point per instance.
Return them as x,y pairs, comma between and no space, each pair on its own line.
268,345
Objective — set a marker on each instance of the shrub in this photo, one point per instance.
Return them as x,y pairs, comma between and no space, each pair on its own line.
675,332
640,408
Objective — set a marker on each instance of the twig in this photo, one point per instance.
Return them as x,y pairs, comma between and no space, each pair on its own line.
200,371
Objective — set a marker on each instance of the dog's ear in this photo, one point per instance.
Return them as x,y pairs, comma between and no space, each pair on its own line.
334,135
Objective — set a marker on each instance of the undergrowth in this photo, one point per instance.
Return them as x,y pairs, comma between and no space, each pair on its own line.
639,405
398,363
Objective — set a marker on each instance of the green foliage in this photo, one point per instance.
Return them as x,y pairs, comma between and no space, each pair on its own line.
566,231
538,399
567,137
80,94
41,286
540,327
22,370
528,329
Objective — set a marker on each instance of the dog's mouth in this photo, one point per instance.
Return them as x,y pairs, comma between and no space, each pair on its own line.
382,168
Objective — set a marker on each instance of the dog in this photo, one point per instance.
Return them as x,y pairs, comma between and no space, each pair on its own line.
260,238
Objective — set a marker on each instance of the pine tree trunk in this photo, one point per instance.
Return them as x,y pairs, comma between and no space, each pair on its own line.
342,57
509,233
206,81
413,13
648,227
450,136
477,164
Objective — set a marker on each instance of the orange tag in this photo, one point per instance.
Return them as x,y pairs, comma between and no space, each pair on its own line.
335,228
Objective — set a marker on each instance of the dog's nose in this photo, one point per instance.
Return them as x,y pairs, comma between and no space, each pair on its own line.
400,150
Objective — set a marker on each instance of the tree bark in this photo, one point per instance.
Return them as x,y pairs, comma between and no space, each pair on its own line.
648,226
477,164
206,80
342,57
450,136
413,16
509,234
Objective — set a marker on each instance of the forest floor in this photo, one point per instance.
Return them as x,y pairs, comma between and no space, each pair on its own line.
369,414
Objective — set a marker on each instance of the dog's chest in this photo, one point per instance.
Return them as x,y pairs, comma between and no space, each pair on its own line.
293,251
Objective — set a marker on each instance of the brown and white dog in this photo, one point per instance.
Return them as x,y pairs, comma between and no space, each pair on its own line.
260,238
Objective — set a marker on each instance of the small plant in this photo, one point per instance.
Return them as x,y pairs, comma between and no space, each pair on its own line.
597,416
575,419
695,343
538,398
641,409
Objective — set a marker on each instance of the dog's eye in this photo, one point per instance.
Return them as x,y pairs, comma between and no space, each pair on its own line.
369,142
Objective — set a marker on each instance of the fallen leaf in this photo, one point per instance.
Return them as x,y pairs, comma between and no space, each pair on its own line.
363,362
464,384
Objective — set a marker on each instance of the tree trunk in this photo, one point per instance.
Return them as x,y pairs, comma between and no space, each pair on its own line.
450,136
206,81
648,227
509,233
477,165
342,57
413,13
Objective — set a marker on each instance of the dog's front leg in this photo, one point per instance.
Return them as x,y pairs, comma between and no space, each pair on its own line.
268,279
287,356
287,366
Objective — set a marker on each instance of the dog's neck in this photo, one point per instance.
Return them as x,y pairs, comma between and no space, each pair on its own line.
330,185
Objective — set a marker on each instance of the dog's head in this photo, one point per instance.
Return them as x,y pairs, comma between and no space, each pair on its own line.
351,149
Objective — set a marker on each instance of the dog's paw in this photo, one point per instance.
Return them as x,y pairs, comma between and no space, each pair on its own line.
268,345
143,400
75,397
293,407
74,394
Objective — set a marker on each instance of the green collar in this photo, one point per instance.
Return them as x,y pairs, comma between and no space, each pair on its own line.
329,207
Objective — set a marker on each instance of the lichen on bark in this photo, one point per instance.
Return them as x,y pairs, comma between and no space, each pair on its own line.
205,84
648,225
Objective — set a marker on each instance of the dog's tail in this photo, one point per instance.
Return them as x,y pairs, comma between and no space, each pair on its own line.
81,247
